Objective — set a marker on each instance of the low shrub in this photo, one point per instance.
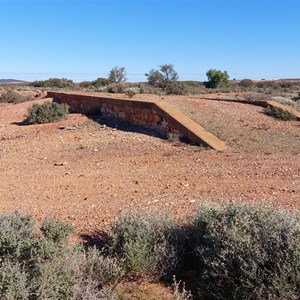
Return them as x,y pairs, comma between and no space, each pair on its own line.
10,96
245,252
279,113
148,245
105,271
246,83
288,102
115,88
46,266
13,281
252,96
85,84
194,87
176,88
146,88
100,82
56,231
15,236
179,291
130,92
266,84
173,137
46,113
297,98
232,251
54,83
86,290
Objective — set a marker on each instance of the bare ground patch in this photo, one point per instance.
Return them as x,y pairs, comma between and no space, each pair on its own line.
90,175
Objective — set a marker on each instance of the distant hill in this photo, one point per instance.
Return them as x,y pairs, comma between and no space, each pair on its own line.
12,81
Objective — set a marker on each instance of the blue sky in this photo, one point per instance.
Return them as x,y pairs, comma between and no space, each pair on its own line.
83,40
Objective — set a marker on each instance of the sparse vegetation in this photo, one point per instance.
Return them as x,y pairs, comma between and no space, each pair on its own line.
130,92
115,88
48,267
279,113
146,88
291,101
98,83
54,83
252,96
233,251
246,252
180,293
166,79
246,83
148,245
47,112
173,137
11,96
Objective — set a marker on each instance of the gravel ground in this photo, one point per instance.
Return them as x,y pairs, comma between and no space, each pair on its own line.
91,175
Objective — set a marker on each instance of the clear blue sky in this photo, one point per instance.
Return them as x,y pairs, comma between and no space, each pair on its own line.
83,40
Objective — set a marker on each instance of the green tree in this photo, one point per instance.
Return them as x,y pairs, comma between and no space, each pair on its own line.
216,78
162,78
117,75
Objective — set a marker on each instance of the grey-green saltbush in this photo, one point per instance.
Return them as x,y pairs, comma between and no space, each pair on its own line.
233,251
246,252
13,281
148,245
46,266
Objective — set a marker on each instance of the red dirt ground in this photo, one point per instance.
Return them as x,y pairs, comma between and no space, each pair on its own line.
91,175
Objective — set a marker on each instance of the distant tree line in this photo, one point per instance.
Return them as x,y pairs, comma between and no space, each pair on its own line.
165,80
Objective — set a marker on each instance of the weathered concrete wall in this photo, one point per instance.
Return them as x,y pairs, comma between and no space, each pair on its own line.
151,114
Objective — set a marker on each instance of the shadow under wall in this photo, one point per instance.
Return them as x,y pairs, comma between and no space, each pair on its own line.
128,127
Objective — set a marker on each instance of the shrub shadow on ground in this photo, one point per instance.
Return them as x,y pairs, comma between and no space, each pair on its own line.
97,238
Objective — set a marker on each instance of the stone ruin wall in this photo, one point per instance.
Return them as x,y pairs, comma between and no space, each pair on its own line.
132,111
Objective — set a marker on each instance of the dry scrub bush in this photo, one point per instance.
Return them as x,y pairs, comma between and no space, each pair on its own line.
10,96
148,245
46,266
146,88
47,112
234,251
288,102
179,291
115,88
62,83
252,96
246,83
246,252
130,92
